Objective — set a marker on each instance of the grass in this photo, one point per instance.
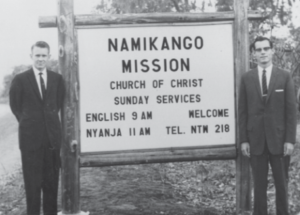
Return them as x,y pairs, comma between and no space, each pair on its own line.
212,184
12,195
11,181
202,187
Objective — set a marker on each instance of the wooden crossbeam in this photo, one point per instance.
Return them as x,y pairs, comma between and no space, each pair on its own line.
114,19
158,156
65,21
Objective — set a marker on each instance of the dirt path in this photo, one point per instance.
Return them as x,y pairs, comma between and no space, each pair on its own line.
10,160
121,190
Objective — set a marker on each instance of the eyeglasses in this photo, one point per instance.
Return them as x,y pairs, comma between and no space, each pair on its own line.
265,49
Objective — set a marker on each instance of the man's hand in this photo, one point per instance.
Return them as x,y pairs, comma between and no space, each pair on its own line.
288,149
245,147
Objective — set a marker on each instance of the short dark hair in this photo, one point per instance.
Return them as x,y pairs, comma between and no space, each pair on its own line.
41,44
259,39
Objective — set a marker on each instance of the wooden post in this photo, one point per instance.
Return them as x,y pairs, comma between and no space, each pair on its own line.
65,21
243,188
70,116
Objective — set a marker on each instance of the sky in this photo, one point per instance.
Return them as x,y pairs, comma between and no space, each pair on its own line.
19,29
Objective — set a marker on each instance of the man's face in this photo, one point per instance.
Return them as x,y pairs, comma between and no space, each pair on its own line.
263,53
40,57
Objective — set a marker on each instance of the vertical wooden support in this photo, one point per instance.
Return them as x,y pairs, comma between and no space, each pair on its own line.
243,187
71,146
70,116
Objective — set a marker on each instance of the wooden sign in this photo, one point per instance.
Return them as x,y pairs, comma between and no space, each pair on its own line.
150,88
156,87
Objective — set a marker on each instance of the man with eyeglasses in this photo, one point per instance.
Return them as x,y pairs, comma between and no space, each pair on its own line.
267,123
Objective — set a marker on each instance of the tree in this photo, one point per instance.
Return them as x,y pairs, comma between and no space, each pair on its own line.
51,65
277,13
144,6
8,78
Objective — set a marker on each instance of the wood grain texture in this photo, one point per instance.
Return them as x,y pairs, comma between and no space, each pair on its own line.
70,120
224,152
241,49
117,19
66,22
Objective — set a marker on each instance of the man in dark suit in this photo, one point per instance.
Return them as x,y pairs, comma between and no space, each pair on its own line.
267,123
36,97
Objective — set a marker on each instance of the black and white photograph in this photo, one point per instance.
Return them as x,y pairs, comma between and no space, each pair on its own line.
145,107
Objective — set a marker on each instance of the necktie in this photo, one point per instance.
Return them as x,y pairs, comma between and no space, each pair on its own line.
264,86
42,85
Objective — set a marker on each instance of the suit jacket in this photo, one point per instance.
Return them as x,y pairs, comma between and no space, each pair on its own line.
273,122
34,114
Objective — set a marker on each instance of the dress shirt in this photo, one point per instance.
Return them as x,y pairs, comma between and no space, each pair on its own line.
37,78
268,75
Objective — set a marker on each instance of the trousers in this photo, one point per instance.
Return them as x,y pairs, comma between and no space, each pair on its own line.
41,175
260,167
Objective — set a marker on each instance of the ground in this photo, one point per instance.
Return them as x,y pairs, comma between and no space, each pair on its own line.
126,190
186,188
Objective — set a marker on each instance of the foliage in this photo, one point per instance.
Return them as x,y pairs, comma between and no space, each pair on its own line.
204,183
276,14
144,6
11,193
132,6
209,184
287,50
294,182
51,65
8,78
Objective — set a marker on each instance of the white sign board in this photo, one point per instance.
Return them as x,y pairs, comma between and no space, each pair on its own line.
156,87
